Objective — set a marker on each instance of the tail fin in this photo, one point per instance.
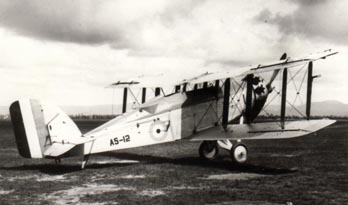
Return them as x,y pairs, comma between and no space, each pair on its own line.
41,130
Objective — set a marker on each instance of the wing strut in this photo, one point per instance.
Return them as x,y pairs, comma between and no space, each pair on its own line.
217,87
157,92
249,93
184,87
177,88
143,96
309,89
124,106
217,84
226,104
283,102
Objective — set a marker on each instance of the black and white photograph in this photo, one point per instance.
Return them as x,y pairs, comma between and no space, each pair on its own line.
211,102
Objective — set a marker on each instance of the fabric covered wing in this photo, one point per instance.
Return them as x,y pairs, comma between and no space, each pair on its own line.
161,80
278,65
268,130
164,80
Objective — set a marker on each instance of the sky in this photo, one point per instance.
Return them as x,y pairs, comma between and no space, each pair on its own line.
67,52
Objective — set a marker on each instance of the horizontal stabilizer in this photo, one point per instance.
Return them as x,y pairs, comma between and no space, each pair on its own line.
267,130
58,149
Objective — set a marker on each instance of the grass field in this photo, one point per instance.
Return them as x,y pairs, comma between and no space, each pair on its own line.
308,170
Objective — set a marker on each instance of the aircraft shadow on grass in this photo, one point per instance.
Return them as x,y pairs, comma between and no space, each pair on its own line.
58,169
198,162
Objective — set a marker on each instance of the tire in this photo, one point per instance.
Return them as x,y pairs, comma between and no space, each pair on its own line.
208,150
239,153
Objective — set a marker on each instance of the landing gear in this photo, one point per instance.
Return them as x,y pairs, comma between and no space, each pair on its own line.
208,150
239,153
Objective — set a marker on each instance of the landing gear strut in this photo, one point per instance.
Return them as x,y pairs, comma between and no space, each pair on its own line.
85,160
57,161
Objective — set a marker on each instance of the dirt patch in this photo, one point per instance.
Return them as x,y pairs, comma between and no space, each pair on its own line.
5,192
74,194
248,203
39,178
114,162
100,177
47,178
186,188
151,193
234,176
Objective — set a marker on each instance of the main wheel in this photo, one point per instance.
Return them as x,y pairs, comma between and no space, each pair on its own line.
239,153
208,150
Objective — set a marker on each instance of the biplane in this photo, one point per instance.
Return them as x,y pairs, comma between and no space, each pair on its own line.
217,108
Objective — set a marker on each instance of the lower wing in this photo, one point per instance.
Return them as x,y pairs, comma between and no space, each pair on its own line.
267,130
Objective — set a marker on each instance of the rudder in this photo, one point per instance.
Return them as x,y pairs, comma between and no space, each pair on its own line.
40,130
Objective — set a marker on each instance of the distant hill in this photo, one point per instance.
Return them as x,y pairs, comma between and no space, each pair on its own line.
81,110
327,108
324,108
92,110
4,110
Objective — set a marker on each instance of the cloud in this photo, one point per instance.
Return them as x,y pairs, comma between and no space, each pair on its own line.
85,21
212,30
324,20
309,2
69,50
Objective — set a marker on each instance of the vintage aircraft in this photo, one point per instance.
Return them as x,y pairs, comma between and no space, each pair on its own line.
198,109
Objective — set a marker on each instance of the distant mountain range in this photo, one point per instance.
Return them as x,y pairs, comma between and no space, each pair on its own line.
324,108
81,110
4,110
92,110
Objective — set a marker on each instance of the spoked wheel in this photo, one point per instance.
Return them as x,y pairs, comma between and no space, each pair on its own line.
208,150
239,153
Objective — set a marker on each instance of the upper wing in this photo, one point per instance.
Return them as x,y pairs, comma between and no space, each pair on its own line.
281,64
147,82
165,81
269,130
